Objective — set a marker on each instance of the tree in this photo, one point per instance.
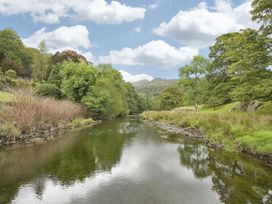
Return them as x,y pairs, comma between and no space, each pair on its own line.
192,80
13,54
108,97
54,77
43,59
40,62
171,97
77,78
240,60
262,12
68,55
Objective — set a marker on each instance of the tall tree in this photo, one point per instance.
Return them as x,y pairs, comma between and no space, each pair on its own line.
241,65
262,12
171,97
192,80
13,54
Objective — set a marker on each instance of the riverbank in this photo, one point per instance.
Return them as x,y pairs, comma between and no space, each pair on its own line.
28,119
42,136
245,133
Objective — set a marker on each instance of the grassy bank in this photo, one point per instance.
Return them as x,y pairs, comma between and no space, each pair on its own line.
28,116
244,132
5,96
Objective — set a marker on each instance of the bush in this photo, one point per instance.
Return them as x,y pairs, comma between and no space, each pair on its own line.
48,90
30,113
81,122
9,131
11,74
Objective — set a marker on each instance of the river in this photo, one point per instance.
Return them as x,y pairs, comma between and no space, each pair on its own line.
124,161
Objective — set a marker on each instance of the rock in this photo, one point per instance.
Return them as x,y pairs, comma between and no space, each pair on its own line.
37,140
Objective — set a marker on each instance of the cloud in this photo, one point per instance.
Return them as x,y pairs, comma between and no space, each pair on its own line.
135,78
51,11
63,38
200,26
138,29
152,6
153,53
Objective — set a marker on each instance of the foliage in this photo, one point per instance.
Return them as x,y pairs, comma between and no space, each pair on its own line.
54,77
108,96
77,78
82,122
240,59
5,97
192,80
48,90
11,74
234,131
13,54
40,62
262,12
68,55
171,97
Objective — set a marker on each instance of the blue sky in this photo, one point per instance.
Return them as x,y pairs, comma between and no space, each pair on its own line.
143,39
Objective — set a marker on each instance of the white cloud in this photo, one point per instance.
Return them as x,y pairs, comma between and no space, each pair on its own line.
138,29
135,78
200,26
152,6
63,38
153,53
51,11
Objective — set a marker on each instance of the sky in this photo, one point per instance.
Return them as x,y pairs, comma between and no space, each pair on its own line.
143,39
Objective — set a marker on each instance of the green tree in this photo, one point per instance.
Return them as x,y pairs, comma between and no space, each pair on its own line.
77,78
192,80
262,12
54,77
171,97
108,97
13,54
240,65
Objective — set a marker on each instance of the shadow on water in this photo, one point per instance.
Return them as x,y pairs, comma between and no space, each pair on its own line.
236,180
125,161
73,157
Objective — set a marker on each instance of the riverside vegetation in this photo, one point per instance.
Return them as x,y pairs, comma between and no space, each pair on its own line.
235,86
42,93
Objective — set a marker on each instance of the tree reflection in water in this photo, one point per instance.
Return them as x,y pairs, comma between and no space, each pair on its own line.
234,179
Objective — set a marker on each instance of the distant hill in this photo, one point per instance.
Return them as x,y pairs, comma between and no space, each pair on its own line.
154,87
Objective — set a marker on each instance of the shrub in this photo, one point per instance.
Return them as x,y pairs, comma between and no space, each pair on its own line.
49,90
81,122
9,131
11,74
29,112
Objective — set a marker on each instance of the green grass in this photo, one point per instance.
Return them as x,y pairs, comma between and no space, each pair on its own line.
267,108
220,109
81,122
235,131
5,96
258,141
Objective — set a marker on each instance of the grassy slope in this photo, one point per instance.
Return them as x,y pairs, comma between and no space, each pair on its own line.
5,96
236,131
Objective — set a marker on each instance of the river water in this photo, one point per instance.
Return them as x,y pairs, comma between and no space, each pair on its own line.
124,161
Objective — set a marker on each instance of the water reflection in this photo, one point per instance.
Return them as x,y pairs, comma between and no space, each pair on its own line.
234,179
124,161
